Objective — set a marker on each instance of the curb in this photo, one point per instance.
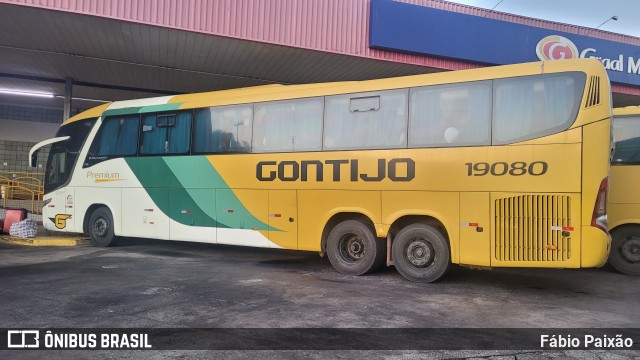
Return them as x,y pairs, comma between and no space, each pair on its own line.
47,241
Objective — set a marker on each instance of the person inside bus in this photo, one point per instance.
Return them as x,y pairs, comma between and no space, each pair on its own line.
455,116
466,116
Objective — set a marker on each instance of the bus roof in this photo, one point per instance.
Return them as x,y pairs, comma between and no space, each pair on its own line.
627,110
282,92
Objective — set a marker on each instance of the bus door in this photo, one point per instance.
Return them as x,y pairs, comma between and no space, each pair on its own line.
61,208
475,229
283,218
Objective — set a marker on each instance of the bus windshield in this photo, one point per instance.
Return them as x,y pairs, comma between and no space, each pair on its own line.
63,155
626,136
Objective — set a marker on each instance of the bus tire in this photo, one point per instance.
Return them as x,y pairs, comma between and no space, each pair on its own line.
353,248
101,228
625,250
421,253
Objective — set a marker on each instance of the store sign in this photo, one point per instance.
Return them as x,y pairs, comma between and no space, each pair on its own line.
402,27
557,47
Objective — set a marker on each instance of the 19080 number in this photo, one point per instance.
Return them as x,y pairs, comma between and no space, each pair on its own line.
517,168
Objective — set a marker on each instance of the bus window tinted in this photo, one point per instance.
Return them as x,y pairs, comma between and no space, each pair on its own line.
166,133
118,136
380,121
534,106
450,115
223,129
288,126
63,155
626,136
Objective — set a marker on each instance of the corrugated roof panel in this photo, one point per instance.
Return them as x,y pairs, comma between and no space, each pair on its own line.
335,26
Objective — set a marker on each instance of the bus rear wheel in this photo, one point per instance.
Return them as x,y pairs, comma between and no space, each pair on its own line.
421,253
625,250
101,227
353,248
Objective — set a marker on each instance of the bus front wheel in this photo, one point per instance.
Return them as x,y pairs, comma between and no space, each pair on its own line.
353,248
421,253
101,227
625,250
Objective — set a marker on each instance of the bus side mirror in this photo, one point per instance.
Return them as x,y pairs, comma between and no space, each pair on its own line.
34,158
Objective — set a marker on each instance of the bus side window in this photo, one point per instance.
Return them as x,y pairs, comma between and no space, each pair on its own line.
223,129
290,125
118,136
167,133
534,106
372,120
450,115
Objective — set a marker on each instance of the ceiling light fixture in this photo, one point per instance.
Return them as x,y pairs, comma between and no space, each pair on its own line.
85,99
25,93
45,95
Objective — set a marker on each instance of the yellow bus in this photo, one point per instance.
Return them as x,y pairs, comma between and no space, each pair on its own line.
483,167
624,197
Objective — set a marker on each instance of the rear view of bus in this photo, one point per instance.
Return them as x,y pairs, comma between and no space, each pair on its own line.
624,199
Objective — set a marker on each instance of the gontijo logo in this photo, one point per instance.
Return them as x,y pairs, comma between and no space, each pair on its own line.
60,221
555,47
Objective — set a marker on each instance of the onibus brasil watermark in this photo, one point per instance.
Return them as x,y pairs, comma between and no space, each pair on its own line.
34,339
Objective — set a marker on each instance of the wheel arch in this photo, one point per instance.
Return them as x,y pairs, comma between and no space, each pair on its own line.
626,224
337,218
621,260
406,220
89,211
428,219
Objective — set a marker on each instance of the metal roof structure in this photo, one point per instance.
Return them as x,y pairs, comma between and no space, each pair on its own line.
122,49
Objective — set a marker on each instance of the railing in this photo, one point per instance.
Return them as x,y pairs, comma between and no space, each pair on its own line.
23,186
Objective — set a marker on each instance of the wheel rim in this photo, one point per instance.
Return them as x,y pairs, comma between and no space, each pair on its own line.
351,248
419,253
101,227
630,250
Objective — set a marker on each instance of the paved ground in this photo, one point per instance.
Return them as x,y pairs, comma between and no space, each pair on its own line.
144,283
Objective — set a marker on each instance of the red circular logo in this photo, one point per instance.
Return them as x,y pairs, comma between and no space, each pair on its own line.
556,47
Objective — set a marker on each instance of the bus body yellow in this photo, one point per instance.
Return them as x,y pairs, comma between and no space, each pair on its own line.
481,167
624,199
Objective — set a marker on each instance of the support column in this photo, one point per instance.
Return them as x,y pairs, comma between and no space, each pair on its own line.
68,87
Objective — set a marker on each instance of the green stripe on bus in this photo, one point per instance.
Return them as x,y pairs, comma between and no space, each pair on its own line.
168,194
196,172
159,108
141,109
123,111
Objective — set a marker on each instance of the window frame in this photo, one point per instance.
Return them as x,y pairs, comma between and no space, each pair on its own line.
447,86
65,130
104,121
321,99
570,120
368,94
165,113
193,121
623,163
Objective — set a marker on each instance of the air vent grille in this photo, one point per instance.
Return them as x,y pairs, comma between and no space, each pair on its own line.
531,227
593,93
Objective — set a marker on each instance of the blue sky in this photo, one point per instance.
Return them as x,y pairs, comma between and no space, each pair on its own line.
589,13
